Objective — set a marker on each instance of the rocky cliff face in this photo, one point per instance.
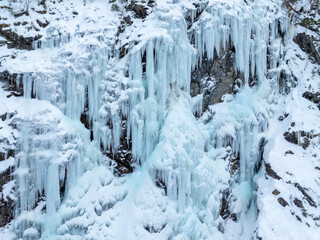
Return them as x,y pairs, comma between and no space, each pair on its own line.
159,119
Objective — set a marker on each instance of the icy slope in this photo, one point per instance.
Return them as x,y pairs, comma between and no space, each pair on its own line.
107,143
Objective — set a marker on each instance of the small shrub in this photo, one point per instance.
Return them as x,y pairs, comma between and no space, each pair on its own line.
115,7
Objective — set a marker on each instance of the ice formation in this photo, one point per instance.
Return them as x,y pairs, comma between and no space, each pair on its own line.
185,152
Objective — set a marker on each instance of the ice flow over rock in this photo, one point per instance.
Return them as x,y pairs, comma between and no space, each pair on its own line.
188,170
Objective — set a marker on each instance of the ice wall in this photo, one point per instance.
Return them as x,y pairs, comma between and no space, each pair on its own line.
159,70
149,88
51,154
237,127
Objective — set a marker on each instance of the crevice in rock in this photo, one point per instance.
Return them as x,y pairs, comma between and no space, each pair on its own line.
122,156
307,197
271,172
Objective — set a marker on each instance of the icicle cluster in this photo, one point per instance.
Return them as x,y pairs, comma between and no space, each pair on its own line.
154,99
240,126
85,87
159,71
247,27
51,156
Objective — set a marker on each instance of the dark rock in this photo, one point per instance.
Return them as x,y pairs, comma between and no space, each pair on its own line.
139,10
270,172
307,197
7,115
306,43
313,97
282,202
308,95
215,78
275,192
304,213
154,229
42,24
123,50
289,152
6,205
21,14
234,164
291,137
281,118
6,211
122,157
10,81
298,203
151,3
42,12
62,184
193,16
234,217
298,218
18,41
160,184
224,210
84,119
286,82
127,19
7,154
305,137
259,162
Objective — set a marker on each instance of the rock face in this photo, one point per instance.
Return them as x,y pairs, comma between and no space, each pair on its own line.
8,137
17,41
282,202
271,172
313,97
308,44
7,205
215,78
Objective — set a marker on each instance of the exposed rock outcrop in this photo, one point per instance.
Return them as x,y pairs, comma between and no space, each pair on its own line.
215,78
313,97
18,41
308,44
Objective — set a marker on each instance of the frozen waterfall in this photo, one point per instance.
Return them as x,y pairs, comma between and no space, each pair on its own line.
143,98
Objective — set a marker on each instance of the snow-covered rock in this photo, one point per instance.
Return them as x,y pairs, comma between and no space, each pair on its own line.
101,139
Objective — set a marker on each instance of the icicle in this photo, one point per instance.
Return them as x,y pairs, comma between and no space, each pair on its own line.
248,31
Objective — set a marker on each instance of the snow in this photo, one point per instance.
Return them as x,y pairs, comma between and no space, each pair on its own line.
297,168
4,165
